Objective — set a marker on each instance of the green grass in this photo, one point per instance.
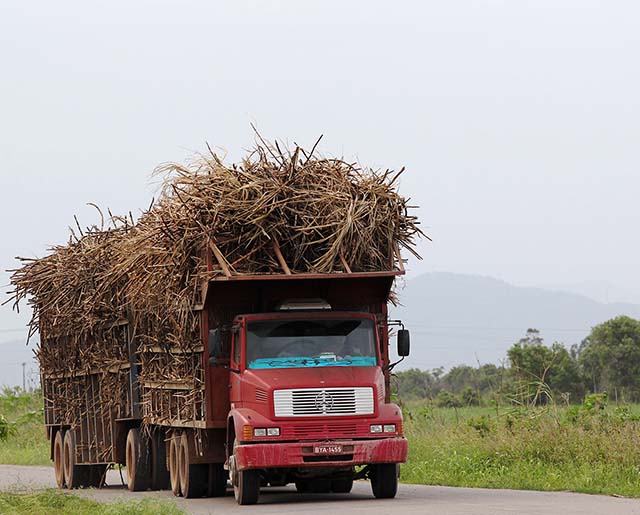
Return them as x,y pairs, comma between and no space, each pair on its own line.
53,502
591,450
26,442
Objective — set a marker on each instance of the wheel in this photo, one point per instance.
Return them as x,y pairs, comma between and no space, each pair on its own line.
247,489
341,486
58,459
160,479
75,475
138,461
174,469
384,480
217,480
246,483
303,487
194,478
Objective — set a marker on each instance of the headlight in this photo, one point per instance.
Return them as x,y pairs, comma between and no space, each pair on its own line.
389,428
376,428
266,431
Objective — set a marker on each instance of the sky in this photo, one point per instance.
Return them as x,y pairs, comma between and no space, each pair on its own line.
517,121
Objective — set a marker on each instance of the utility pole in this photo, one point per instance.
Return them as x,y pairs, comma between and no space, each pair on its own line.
24,382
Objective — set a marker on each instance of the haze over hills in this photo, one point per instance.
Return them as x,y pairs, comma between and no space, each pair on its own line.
457,318
453,318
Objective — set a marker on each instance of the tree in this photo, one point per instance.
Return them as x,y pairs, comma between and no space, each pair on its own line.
610,356
530,359
543,368
416,383
460,377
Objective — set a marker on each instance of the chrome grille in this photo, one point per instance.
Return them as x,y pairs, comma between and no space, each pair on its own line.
307,402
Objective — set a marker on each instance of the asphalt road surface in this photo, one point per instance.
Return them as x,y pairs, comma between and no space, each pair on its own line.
411,499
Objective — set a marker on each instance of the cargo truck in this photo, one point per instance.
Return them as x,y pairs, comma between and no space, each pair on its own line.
290,383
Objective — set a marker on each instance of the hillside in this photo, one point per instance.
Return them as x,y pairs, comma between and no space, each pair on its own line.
456,318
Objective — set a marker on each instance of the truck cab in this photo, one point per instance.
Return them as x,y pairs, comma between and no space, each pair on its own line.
309,400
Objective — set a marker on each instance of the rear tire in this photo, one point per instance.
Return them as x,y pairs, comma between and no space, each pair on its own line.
75,475
174,466
58,459
342,486
384,480
138,461
194,478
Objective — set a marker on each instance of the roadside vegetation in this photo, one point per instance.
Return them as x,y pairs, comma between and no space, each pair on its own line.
23,439
548,418
53,502
592,448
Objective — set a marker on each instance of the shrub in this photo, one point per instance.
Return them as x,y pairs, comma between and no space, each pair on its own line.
469,397
6,428
446,399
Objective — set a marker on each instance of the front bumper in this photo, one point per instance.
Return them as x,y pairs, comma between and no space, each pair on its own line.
297,454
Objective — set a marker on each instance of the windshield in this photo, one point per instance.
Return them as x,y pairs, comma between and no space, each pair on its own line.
311,343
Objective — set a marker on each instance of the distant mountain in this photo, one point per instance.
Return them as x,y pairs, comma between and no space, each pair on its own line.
456,318
601,291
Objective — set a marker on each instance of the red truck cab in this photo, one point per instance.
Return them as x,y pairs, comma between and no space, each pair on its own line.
309,400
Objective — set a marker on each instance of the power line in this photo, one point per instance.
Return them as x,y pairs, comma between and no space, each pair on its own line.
421,325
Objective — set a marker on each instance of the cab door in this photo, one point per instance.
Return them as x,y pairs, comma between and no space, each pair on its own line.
235,363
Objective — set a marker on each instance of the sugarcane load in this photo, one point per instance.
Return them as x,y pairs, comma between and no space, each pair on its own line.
237,331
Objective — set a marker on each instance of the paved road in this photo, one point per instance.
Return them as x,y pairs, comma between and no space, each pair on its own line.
411,499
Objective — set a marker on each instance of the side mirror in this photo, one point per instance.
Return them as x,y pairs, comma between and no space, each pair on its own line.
403,343
215,346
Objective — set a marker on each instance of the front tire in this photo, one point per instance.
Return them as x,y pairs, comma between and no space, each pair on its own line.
246,483
248,488
384,480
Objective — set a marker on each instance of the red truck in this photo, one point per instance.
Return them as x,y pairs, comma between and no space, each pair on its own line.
295,389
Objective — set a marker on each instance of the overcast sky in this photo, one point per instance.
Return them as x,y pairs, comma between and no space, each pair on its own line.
518,122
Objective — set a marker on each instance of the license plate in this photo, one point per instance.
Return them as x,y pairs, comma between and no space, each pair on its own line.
327,449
